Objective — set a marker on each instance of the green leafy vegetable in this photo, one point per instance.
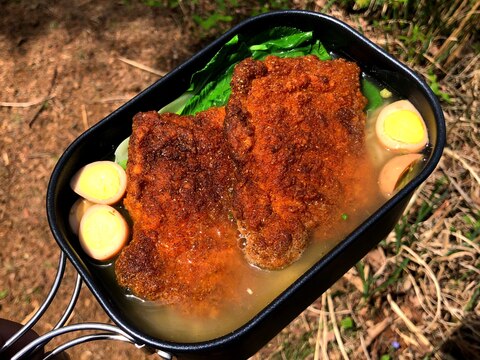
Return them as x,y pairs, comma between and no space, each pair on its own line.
211,85
121,153
372,93
177,105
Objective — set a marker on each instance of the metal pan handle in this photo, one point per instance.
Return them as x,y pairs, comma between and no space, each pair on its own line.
108,332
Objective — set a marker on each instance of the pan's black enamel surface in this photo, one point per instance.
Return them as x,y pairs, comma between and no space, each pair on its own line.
101,140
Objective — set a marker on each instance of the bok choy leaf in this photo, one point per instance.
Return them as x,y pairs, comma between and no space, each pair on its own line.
211,85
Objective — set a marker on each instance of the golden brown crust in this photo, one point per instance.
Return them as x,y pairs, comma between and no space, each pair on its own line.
281,157
295,128
183,249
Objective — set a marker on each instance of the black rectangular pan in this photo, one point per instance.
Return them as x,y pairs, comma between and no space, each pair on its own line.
101,140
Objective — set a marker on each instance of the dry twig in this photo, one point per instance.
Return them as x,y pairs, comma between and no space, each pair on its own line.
336,331
410,325
42,106
141,66
376,330
84,117
26,104
416,258
454,155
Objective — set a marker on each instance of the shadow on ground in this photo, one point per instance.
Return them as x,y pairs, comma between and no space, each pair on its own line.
464,342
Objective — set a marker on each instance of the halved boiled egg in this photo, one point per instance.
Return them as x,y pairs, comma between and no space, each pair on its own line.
396,170
79,208
401,128
101,182
103,232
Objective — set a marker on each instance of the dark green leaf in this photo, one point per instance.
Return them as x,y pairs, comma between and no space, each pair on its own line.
372,93
210,86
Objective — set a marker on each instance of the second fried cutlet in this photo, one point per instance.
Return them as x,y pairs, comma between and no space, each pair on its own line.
184,248
295,129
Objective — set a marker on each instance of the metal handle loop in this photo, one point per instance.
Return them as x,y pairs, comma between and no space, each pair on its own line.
110,332
44,339
43,307
85,339
71,304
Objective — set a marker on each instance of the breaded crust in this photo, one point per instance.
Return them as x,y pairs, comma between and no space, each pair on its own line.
183,249
282,158
295,129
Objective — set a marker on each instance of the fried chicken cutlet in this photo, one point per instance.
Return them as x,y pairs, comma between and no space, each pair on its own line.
183,249
295,129
281,157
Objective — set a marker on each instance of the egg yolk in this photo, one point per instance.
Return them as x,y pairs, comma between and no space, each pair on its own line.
404,126
101,181
105,223
103,232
